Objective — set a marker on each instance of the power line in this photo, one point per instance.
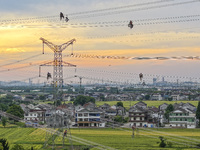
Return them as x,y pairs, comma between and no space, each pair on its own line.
120,7
21,60
100,25
86,12
137,9
118,73
36,19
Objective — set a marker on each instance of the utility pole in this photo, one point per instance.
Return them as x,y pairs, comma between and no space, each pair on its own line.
80,84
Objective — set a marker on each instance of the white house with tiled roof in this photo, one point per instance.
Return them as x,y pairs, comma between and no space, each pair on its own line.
89,118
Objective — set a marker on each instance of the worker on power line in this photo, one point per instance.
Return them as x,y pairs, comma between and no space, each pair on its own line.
48,75
130,25
61,16
133,128
65,133
141,76
66,19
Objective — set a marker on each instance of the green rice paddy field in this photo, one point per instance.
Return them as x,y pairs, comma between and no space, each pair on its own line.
106,138
128,103
149,103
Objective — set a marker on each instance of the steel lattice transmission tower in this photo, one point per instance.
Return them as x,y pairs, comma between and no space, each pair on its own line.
58,63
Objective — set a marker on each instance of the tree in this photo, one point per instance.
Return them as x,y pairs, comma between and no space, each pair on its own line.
169,109
162,142
4,121
147,97
198,112
102,97
120,104
1,146
81,100
58,102
118,119
4,143
42,97
17,147
16,110
3,107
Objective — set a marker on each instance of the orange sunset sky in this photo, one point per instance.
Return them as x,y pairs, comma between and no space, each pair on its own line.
162,28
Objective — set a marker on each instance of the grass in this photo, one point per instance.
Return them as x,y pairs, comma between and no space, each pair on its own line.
8,125
116,138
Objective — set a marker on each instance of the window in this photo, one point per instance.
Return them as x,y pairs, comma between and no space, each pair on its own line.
176,114
86,114
134,118
80,119
181,119
80,115
180,114
140,118
86,119
185,119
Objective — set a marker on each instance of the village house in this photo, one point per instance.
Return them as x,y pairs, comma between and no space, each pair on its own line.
105,106
163,107
35,115
141,105
175,97
138,116
182,118
89,118
156,97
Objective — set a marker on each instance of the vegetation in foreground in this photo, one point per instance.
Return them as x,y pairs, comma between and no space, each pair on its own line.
120,138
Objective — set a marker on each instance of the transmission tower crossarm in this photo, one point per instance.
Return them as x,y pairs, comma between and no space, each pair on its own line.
47,64
65,45
68,64
49,44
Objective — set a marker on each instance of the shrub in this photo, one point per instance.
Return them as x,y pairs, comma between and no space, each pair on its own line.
21,124
4,143
162,142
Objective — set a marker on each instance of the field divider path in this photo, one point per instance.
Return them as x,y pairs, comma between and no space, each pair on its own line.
192,140
83,141
171,139
181,143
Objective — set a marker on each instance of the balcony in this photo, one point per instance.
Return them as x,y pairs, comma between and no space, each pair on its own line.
182,122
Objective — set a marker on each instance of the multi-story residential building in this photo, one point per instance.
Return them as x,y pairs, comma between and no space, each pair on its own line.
35,115
138,116
175,97
89,118
182,118
156,97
